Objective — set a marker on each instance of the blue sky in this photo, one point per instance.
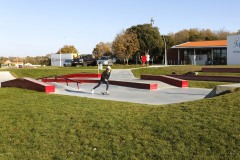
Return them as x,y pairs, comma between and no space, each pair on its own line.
37,28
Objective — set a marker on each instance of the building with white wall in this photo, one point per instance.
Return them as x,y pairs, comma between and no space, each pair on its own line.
198,53
58,59
233,49
221,52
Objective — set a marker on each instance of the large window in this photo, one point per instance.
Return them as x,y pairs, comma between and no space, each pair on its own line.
220,56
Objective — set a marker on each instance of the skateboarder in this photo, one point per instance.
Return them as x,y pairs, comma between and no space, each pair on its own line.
104,79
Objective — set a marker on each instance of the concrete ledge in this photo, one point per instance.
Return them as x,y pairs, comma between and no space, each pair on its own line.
29,83
87,80
61,78
208,78
229,70
140,85
221,89
85,75
166,79
150,86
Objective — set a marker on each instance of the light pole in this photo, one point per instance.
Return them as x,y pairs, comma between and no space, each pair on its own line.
165,50
60,58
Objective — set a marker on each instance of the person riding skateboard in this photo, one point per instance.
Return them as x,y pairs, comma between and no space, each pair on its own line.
104,79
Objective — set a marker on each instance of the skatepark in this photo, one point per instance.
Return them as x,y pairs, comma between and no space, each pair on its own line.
164,94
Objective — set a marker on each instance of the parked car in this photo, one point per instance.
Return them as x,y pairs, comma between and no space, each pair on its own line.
77,62
89,60
83,60
106,60
67,63
210,62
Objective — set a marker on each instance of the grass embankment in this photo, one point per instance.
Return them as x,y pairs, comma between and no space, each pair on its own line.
44,126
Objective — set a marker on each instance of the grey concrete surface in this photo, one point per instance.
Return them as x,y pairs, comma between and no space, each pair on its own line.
219,89
165,94
5,76
126,75
122,74
126,94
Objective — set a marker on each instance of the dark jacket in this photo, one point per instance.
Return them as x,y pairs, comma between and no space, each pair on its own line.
105,75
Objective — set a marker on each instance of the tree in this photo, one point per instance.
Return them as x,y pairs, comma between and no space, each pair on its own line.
194,35
68,49
3,59
184,36
125,44
102,49
208,35
149,38
181,37
170,40
222,34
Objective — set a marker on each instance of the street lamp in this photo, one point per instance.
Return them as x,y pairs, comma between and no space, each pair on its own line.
165,52
60,58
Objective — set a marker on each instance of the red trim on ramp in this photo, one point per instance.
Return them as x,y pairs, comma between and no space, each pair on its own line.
167,79
29,83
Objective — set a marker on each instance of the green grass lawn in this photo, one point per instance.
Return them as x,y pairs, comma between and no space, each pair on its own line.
46,126
51,71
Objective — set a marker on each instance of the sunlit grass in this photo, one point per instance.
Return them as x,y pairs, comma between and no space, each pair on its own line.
44,126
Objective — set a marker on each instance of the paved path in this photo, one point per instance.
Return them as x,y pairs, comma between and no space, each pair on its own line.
122,74
127,75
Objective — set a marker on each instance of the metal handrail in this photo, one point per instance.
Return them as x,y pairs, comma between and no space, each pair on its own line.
46,77
56,77
66,79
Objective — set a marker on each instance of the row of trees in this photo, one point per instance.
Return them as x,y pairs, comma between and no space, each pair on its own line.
137,41
146,39
67,49
38,60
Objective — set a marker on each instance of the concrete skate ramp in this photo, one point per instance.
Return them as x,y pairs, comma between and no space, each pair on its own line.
127,83
226,70
29,83
132,84
129,94
82,75
221,89
208,78
5,76
166,79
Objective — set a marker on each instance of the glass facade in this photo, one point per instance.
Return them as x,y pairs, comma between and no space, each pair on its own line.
220,56
203,56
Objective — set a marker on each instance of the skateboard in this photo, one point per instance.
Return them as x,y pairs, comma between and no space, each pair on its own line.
105,93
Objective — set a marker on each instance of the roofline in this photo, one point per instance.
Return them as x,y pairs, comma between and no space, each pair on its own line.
184,45
175,47
179,45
